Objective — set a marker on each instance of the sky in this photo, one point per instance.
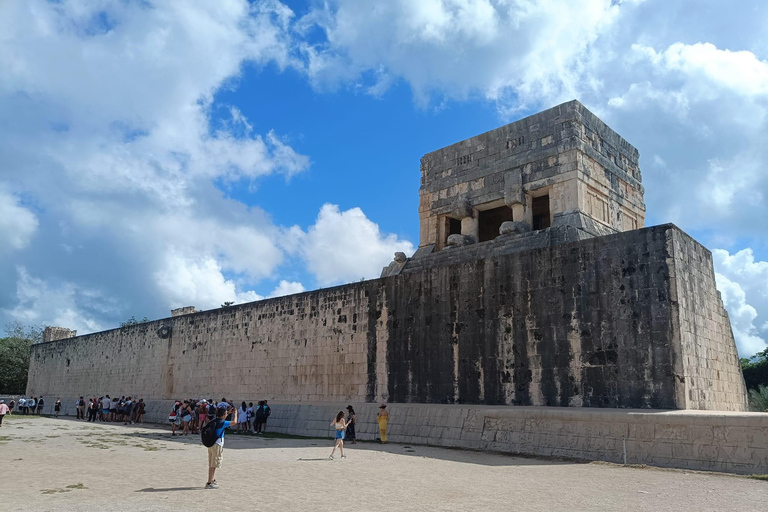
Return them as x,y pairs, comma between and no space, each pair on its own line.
159,154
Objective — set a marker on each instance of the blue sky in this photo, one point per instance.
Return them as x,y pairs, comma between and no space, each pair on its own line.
161,154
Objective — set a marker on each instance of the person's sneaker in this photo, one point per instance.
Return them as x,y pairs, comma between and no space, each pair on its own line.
330,457
211,485
343,456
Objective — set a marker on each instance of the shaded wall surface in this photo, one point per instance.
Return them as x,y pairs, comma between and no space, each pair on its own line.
629,320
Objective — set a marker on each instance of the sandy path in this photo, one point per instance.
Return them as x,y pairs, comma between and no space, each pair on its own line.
142,468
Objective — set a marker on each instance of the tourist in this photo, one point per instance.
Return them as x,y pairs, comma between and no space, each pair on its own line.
249,412
216,452
350,435
175,417
105,402
113,409
267,412
22,405
211,413
340,425
57,408
11,405
242,415
4,409
186,417
93,409
40,404
260,419
128,412
382,418
140,411
121,409
31,403
202,412
81,409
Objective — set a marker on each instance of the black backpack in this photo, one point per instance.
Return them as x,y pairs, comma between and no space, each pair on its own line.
208,432
81,403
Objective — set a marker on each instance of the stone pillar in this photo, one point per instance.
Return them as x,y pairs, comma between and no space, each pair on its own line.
470,226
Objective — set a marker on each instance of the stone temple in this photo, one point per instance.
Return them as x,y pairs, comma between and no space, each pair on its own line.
535,284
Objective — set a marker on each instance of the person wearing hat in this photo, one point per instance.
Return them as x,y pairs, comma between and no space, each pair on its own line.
350,435
382,418
3,411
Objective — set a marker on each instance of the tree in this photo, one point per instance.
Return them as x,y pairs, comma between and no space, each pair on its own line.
14,356
132,321
755,370
758,399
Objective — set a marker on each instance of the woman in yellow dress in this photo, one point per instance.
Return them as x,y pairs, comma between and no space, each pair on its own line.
383,417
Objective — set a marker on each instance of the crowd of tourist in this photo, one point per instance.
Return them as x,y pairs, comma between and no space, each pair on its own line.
31,405
189,416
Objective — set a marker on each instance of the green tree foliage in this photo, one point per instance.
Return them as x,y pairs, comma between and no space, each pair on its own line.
14,357
755,370
758,399
132,321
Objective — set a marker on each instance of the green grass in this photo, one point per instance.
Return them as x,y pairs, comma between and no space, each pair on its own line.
759,477
76,486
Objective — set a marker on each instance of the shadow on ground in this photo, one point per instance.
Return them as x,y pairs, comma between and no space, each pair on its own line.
246,441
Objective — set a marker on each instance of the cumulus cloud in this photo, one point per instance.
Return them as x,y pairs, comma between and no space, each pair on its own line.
743,282
344,246
17,223
109,125
287,288
458,47
62,303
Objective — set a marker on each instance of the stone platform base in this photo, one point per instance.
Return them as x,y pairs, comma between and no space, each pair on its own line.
731,442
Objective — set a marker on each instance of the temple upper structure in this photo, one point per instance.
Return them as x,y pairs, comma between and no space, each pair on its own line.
560,167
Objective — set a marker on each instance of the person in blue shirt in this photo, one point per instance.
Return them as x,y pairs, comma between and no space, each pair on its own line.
216,451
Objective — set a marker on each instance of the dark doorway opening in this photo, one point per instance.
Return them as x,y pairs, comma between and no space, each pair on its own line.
540,209
454,227
490,221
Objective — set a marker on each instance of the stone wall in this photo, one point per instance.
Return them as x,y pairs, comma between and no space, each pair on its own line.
602,322
713,441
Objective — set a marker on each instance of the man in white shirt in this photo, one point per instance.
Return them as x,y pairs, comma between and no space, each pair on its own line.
22,405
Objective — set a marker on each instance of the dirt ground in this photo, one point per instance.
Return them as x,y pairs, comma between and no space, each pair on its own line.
65,464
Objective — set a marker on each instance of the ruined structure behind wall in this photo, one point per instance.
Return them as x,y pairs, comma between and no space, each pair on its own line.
532,286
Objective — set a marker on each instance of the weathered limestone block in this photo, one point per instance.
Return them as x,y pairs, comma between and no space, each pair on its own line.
459,240
514,193
514,228
461,208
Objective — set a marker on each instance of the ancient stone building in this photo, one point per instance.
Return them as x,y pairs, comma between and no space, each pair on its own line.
535,283
562,166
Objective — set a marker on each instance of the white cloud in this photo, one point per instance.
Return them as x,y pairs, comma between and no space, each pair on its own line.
346,246
62,304
287,288
17,223
743,283
110,127
459,47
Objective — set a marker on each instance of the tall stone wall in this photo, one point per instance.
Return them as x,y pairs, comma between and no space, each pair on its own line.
630,320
